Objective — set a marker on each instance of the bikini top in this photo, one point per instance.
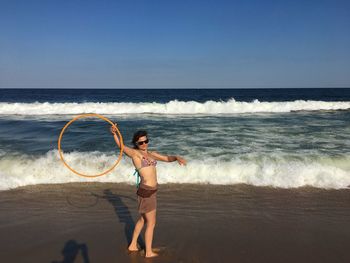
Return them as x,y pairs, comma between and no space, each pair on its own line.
145,162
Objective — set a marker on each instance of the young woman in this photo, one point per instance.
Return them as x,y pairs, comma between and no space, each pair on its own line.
145,164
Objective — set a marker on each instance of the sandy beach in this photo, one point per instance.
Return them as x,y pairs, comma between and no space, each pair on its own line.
238,110
93,222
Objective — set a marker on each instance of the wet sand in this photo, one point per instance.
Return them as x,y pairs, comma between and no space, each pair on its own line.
93,222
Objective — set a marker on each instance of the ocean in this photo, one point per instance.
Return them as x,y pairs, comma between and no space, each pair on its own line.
280,138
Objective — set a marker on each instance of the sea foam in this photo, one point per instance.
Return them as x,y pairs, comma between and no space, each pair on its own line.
172,107
328,173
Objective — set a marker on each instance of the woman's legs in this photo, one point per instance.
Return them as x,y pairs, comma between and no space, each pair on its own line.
135,235
150,219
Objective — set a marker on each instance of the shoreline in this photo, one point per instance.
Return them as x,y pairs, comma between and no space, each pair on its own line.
237,185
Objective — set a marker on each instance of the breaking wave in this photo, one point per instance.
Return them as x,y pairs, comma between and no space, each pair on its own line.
268,170
172,107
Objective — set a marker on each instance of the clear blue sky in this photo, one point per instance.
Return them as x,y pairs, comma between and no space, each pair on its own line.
174,44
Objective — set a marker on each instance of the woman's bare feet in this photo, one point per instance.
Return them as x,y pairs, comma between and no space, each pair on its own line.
133,248
151,255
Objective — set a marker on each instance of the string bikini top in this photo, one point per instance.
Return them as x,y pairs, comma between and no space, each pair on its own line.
145,162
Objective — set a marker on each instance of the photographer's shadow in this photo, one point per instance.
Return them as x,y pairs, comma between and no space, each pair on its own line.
71,250
123,214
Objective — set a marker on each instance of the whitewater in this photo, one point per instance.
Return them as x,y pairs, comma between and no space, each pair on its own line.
274,170
172,107
303,142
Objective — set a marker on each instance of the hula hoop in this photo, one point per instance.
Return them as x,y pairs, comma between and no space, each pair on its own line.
84,116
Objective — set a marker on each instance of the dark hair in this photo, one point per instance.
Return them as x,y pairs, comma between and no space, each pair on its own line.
137,136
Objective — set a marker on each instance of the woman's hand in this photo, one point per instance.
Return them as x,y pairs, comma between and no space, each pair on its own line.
113,129
181,160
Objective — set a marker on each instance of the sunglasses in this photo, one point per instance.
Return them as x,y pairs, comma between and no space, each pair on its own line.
143,142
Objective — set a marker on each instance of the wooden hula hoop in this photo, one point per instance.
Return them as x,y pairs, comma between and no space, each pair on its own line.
84,116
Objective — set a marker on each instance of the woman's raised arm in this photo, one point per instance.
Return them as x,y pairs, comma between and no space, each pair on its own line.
127,150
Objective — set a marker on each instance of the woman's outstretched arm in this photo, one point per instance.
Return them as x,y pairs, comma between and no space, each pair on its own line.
169,158
128,151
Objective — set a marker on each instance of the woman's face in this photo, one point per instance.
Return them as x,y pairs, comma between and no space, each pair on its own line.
142,143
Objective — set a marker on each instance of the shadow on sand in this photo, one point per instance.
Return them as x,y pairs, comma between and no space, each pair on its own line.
123,214
71,250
